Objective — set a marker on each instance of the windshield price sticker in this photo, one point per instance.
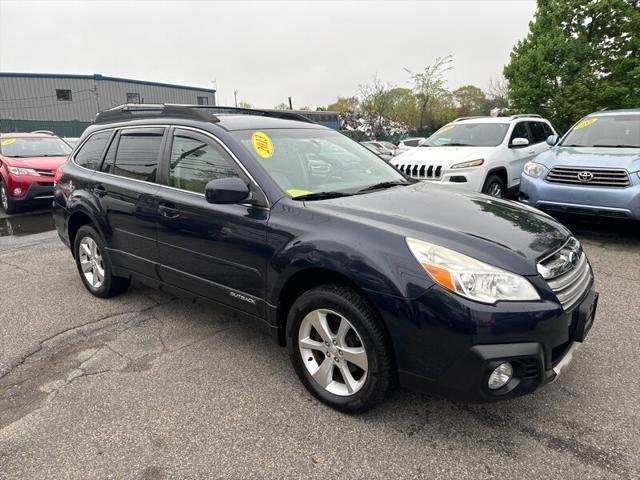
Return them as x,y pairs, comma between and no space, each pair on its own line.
262,144
8,141
446,128
294,192
585,123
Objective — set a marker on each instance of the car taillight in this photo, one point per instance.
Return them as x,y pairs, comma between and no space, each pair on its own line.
58,175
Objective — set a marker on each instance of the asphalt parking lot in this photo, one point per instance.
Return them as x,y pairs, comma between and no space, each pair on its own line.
150,386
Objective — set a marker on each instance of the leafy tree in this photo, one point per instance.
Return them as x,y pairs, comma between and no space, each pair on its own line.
244,105
470,100
428,86
404,108
375,102
579,56
344,105
281,106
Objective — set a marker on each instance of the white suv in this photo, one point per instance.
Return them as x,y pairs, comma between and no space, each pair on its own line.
481,154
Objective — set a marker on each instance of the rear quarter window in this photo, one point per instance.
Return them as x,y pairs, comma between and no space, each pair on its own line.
90,153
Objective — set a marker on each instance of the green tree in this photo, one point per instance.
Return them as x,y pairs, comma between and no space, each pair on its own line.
244,105
344,105
376,102
428,86
579,56
470,100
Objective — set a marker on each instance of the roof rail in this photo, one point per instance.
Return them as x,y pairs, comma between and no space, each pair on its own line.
521,115
206,113
469,118
131,111
47,132
282,114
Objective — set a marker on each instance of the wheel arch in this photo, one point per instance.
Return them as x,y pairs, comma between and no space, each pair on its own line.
500,172
77,219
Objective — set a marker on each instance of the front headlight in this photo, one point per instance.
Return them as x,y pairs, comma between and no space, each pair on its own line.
469,277
534,169
22,171
470,163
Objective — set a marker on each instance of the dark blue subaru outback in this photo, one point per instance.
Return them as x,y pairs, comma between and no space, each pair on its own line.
368,277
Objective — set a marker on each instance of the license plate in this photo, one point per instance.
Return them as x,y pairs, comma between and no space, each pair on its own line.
585,315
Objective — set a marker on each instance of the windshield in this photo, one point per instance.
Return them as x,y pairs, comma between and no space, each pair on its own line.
614,131
19,147
468,135
308,161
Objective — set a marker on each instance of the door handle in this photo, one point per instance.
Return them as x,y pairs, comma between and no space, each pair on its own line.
531,151
99,190
168,212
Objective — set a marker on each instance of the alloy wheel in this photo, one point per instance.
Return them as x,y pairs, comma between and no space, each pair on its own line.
495,190
332,352
91,262
3,198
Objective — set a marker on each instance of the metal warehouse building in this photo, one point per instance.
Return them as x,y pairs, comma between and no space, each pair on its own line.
67,104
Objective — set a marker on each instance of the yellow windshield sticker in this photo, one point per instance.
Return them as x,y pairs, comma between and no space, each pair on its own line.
585,123
262,144
446,128
294,192
7,141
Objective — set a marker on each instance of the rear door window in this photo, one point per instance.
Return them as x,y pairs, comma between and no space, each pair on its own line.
138,153
90,153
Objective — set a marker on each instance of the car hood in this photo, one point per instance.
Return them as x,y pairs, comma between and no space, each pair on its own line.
627,158
41,163
441,156
499,232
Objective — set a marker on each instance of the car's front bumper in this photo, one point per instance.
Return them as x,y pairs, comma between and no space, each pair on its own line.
447,345
583,200
33,189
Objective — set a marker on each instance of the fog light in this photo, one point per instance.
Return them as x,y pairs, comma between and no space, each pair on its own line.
500,376
17,191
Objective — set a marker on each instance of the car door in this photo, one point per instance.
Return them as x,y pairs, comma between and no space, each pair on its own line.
126,190
519,155
216,251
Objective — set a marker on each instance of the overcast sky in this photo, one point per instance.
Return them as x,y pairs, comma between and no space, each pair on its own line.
267,51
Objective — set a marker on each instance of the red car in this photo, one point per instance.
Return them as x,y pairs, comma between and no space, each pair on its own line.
28,163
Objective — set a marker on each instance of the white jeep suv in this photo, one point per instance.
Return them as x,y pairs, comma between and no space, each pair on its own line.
481,154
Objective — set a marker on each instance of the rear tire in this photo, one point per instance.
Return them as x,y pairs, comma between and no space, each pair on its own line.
494,186
94,264
338,348
8,205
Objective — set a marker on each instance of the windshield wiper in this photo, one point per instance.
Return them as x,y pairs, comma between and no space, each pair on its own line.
322,195
381,185
453,144
617,146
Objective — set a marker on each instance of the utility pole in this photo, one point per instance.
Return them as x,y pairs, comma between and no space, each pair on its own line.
235,97
290,104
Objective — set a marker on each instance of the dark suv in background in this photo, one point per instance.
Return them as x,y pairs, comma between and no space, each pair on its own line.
367,276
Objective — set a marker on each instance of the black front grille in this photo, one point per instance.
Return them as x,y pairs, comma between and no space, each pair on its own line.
589,177
425,172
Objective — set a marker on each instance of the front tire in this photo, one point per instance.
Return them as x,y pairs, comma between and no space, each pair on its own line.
8,205
494,186
338,348
94,264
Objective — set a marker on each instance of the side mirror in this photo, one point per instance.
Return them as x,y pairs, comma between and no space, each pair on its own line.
227,190
519,142
552,140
